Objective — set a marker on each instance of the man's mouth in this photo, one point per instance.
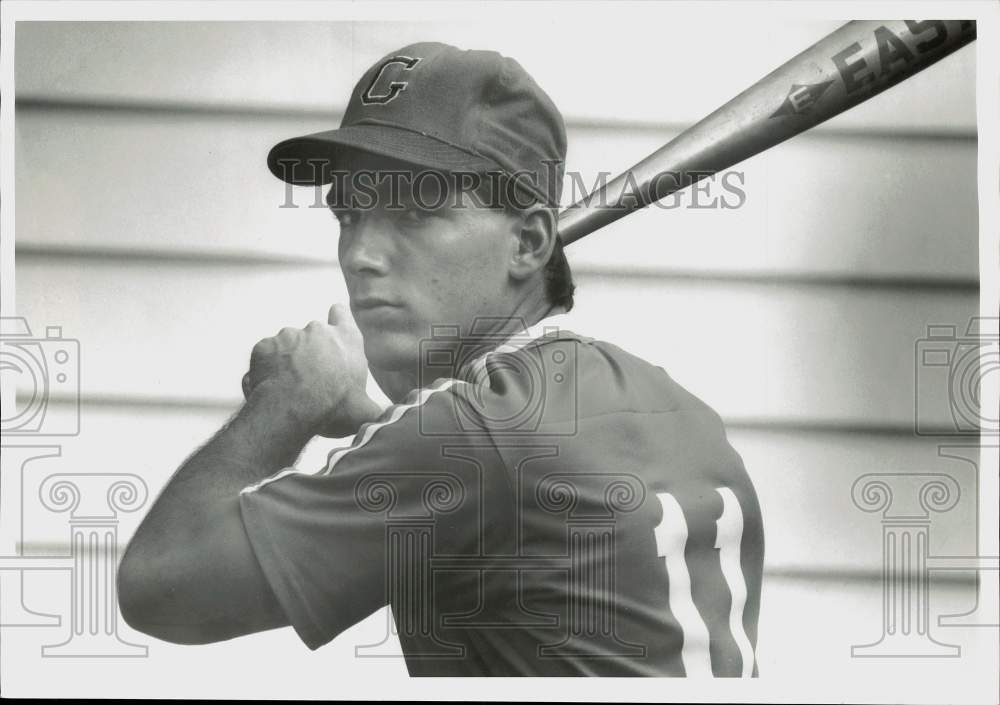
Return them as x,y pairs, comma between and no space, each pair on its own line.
376,310
369,303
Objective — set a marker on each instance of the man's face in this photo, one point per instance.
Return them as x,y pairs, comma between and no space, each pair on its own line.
414,267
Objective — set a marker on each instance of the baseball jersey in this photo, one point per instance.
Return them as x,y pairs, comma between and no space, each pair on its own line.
559,507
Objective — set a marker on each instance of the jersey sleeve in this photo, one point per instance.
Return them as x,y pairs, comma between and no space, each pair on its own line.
710,541
331,543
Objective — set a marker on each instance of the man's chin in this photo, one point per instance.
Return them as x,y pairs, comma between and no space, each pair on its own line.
391,352
395,385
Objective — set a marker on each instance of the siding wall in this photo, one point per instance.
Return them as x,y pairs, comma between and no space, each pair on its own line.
149,228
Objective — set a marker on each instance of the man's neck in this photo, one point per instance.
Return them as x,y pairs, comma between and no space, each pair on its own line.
485,333
477,337
486,329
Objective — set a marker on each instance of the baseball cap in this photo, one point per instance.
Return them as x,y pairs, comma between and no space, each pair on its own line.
443,108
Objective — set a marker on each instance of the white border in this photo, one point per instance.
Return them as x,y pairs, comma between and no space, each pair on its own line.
987,14
452,10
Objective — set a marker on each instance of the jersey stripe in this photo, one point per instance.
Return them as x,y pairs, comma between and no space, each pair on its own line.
728,540
671,538
392,415
396,411
395,414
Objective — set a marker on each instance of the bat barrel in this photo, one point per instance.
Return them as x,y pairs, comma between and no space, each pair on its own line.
845,68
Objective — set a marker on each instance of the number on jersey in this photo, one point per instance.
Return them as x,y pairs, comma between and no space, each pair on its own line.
671,541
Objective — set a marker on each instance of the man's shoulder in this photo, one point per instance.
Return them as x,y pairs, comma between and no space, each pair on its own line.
568,384
550,385
607,377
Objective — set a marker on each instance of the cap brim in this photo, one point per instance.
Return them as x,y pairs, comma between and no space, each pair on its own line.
290,160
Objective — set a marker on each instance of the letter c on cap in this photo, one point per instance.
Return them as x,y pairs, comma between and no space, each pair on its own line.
370,97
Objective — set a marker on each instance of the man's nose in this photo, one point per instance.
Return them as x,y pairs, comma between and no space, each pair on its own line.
368,248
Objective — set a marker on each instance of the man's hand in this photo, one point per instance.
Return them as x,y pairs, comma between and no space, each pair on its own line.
318,373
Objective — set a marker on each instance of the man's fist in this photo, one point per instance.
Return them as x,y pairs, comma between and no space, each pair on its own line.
318,372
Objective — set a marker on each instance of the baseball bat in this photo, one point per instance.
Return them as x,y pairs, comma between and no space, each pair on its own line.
847,67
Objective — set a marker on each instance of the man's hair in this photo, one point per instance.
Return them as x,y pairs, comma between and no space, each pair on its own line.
498,193
559,286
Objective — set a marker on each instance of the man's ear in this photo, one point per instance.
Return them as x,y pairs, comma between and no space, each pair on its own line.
535,235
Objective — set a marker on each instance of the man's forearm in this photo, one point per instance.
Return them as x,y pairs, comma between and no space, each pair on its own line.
190,574
261,439
186,575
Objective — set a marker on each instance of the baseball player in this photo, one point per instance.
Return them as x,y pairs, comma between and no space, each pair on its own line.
534,502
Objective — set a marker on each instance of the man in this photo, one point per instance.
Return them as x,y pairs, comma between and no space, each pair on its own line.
534,502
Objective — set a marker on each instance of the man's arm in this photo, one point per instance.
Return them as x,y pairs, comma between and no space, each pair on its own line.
189,574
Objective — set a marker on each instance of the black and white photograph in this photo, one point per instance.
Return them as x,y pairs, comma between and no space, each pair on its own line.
364,350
